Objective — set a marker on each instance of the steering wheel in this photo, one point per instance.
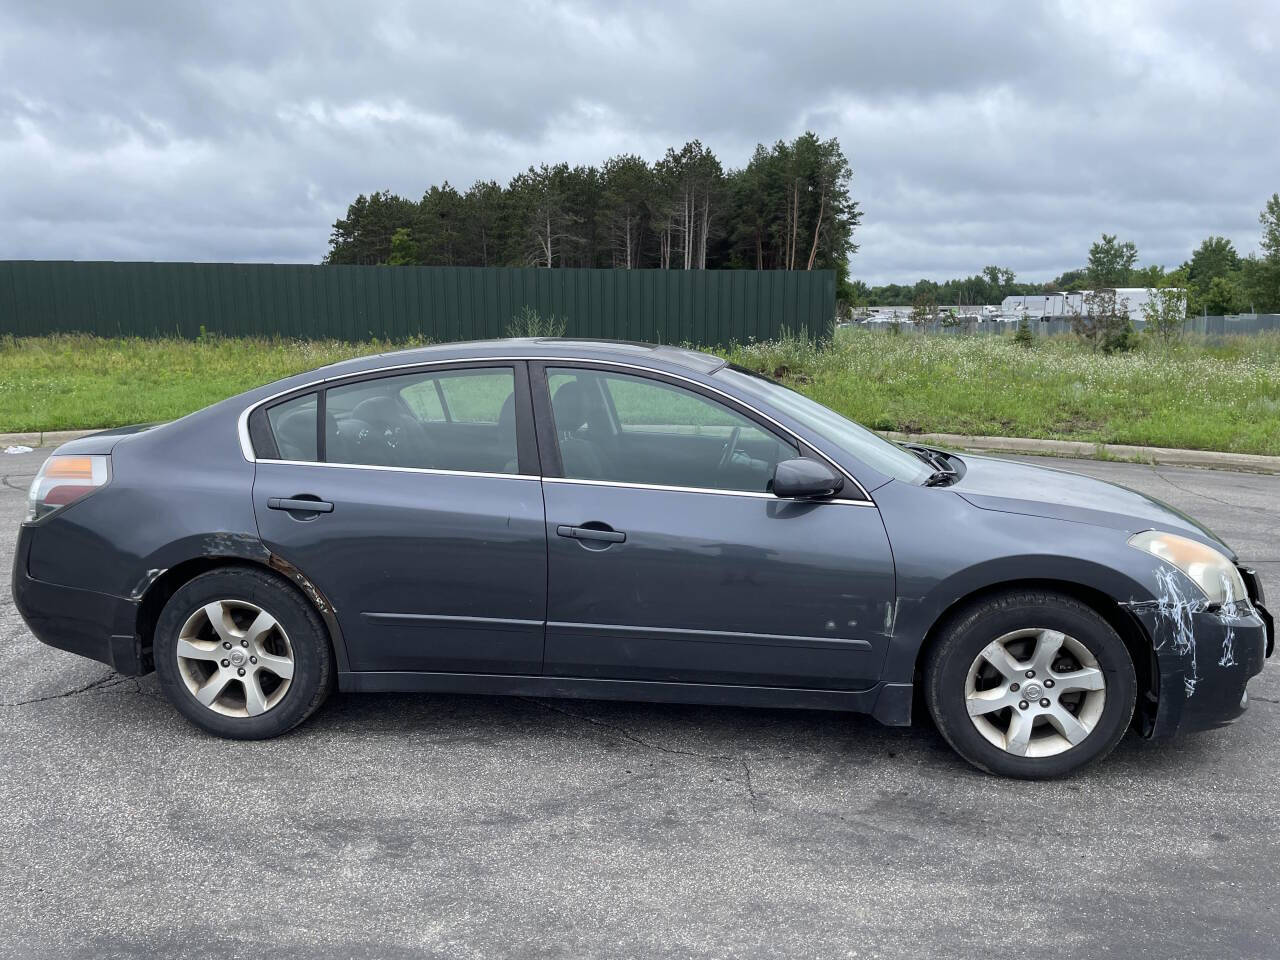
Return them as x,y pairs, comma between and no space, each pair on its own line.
730,448
380,439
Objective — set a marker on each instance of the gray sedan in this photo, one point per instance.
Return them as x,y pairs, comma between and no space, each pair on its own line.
608,520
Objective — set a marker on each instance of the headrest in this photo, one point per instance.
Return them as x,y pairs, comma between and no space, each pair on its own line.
378,409
570,405
297,432
507,416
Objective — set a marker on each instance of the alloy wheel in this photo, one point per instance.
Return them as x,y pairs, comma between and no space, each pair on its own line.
1035,692
235,658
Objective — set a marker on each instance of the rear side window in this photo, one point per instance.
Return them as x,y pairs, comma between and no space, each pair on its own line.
453,420
293,424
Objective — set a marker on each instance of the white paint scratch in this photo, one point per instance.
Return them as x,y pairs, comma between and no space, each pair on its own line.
1228,658
1174,606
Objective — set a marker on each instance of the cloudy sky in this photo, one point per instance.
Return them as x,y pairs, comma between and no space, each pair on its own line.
979,132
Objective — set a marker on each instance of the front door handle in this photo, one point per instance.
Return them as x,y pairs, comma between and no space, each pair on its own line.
299,505
601,532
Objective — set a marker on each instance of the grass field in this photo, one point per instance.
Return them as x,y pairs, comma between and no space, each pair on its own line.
1223,396
1197,395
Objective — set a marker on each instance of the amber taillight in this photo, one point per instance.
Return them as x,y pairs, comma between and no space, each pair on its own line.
64,480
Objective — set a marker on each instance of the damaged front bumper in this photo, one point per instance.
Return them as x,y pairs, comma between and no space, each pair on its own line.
1205,656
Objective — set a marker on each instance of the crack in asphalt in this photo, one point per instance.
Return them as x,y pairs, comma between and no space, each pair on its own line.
627,734
22,489
650,745
112,679
1188,490
751,790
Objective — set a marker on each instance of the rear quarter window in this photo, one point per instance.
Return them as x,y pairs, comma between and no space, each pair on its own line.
293,425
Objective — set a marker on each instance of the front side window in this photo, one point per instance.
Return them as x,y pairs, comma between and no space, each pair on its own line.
452,420
856,440
627,429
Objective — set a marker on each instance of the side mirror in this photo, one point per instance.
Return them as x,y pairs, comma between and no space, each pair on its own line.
805,480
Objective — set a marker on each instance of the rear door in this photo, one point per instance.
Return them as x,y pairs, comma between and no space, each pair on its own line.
417,510
668,558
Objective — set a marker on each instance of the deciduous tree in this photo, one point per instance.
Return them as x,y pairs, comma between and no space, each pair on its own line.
1164,311
1223,297
1270,220
1215,257
1104,322
924,308
403,250
1111,262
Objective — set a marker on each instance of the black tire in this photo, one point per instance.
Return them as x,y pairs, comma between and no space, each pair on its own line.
313,665
968,634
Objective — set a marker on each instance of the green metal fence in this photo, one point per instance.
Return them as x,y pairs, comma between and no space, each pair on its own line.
709,308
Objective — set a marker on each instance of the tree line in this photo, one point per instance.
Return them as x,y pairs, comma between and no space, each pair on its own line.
1218,280
787,208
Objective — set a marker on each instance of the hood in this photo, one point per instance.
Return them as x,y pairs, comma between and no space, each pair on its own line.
104,441
1011,487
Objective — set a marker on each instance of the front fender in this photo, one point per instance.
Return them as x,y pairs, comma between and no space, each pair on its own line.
916,615
945,549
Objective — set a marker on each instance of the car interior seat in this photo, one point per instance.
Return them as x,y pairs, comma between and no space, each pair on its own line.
580,456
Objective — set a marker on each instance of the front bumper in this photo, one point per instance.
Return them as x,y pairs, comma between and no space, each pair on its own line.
1205,657
94,625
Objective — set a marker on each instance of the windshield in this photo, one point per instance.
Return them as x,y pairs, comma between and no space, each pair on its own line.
859,442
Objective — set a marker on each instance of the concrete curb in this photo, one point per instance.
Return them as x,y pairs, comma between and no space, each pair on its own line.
1243,462
43,438
1078,449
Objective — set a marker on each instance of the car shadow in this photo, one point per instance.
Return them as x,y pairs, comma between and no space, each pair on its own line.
725,734
709,732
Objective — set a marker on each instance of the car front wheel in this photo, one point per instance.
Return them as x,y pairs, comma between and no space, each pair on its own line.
241,654
1030,684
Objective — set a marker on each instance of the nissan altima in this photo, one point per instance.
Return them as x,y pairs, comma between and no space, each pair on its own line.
608,520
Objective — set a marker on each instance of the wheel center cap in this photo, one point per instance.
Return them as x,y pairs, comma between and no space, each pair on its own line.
238,657
1032,691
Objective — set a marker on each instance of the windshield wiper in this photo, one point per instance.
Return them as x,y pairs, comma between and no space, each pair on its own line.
943,473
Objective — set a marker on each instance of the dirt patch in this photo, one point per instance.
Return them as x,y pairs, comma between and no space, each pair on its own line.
783,372
1078,425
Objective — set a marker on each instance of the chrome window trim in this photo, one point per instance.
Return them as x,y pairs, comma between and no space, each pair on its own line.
703,490
246,447
377,466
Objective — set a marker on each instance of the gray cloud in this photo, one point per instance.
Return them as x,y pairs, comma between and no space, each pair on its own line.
997,132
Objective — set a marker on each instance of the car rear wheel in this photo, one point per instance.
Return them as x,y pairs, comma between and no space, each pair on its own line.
242,655
1030,684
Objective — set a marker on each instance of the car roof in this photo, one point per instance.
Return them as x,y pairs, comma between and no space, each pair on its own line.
550,348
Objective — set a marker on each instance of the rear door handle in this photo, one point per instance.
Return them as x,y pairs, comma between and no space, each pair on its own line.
591,533
299,504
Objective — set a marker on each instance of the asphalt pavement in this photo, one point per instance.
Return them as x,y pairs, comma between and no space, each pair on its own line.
474,827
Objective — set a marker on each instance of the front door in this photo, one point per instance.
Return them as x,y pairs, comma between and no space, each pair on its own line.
670,561
411,512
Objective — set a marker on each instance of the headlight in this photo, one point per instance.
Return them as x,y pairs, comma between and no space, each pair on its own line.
63,480
1211,571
